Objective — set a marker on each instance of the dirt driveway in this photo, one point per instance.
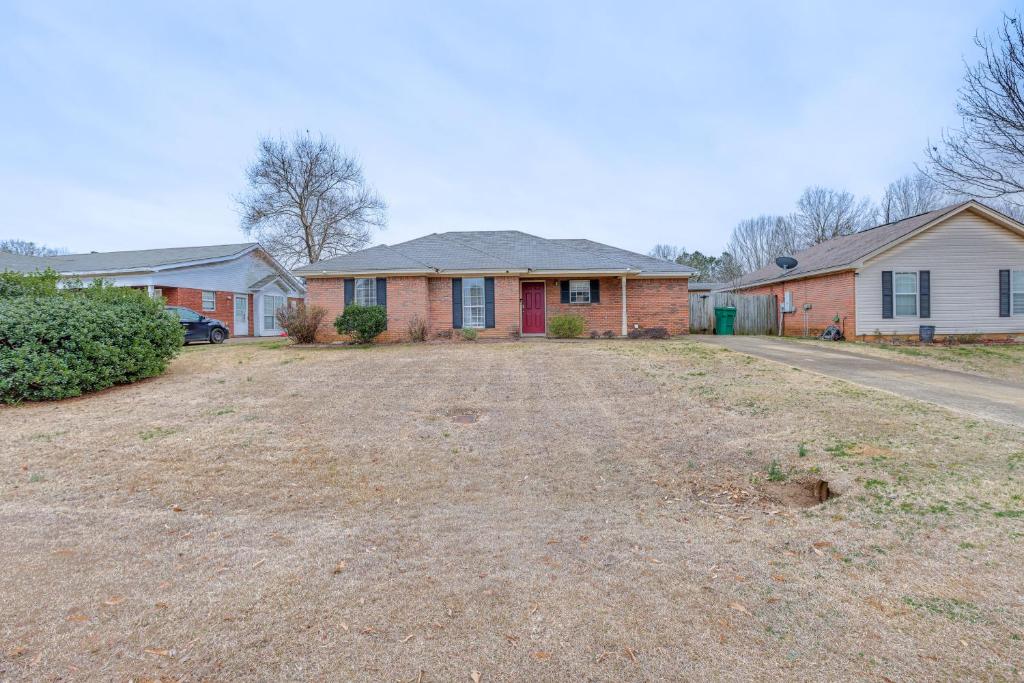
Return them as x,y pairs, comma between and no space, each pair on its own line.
984,397
592,510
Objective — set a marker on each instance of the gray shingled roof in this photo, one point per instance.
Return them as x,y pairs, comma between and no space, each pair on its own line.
142,259
122,261
21,264
489,251
843,251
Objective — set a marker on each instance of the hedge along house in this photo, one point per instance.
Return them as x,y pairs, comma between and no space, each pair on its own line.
959,268
502,283
239,284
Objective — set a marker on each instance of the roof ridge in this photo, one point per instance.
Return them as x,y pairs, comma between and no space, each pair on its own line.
134,251
406,256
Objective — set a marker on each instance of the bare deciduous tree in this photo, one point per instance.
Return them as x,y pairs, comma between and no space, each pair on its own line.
26,248
756,242
909,196
307,200
665,252
985,157
823,213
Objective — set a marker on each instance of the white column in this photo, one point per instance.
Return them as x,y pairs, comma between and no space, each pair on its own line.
625,330
149,290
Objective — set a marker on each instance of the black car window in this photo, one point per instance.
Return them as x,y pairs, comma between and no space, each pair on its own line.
188,316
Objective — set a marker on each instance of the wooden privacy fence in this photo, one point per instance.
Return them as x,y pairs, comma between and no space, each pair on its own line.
755,314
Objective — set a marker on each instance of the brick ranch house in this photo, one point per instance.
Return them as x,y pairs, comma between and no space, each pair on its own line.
503,283
239,284
959,268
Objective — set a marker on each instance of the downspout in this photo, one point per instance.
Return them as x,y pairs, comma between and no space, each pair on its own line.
625,330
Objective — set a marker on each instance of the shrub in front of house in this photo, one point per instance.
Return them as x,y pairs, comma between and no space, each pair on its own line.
363,323
301,322
566,326
70,342
469,334
417,329
29,284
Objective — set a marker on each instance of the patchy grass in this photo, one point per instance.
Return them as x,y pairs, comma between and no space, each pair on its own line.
1002,361
604,515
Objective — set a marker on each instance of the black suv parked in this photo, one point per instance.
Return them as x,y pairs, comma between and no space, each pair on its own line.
199,327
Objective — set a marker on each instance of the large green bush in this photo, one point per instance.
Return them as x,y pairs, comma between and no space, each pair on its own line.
67,343
566,326
364,323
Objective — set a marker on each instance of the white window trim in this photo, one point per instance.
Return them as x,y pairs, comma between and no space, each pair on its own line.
272,314
466,306
917,294
576,291
371,299
213,295
1014,293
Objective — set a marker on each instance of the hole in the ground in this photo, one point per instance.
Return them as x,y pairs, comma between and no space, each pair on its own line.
464,416
804,492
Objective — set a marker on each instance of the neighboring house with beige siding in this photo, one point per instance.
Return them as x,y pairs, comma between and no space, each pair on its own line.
960,269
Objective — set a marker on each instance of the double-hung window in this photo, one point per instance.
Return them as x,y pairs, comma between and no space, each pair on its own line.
366,291
579,291
209,301
1017,292
905,294
271,305
473,305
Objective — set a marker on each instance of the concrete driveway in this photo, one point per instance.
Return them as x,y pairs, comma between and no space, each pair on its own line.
978,396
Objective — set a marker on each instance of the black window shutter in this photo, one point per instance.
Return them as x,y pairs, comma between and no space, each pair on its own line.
565,291
595,291
1004,294
886,293
350,290
382,295
924,290
488,302
457,302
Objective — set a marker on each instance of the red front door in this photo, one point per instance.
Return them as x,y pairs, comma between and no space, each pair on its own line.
533,308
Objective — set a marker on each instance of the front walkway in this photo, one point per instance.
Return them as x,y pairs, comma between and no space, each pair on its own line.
979,396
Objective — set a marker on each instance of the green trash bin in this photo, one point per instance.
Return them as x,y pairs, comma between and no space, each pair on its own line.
725,320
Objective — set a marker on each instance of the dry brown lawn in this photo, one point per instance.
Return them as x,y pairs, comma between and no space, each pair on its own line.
606,512
1002,361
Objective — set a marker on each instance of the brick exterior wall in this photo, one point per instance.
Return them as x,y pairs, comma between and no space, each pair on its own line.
659,303
603,316
828,295
506,307
224,311
650,302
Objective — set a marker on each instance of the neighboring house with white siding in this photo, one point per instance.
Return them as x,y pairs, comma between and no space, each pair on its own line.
239,284
959,268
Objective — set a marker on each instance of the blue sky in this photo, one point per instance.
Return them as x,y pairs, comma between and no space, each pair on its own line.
129,125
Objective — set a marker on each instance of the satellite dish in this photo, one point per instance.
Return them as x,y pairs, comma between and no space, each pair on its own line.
786,262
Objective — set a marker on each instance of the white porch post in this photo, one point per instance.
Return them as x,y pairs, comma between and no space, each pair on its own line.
625,330
149,290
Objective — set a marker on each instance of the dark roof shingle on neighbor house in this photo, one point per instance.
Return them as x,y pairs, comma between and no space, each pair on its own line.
124,261
509,251
839,252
